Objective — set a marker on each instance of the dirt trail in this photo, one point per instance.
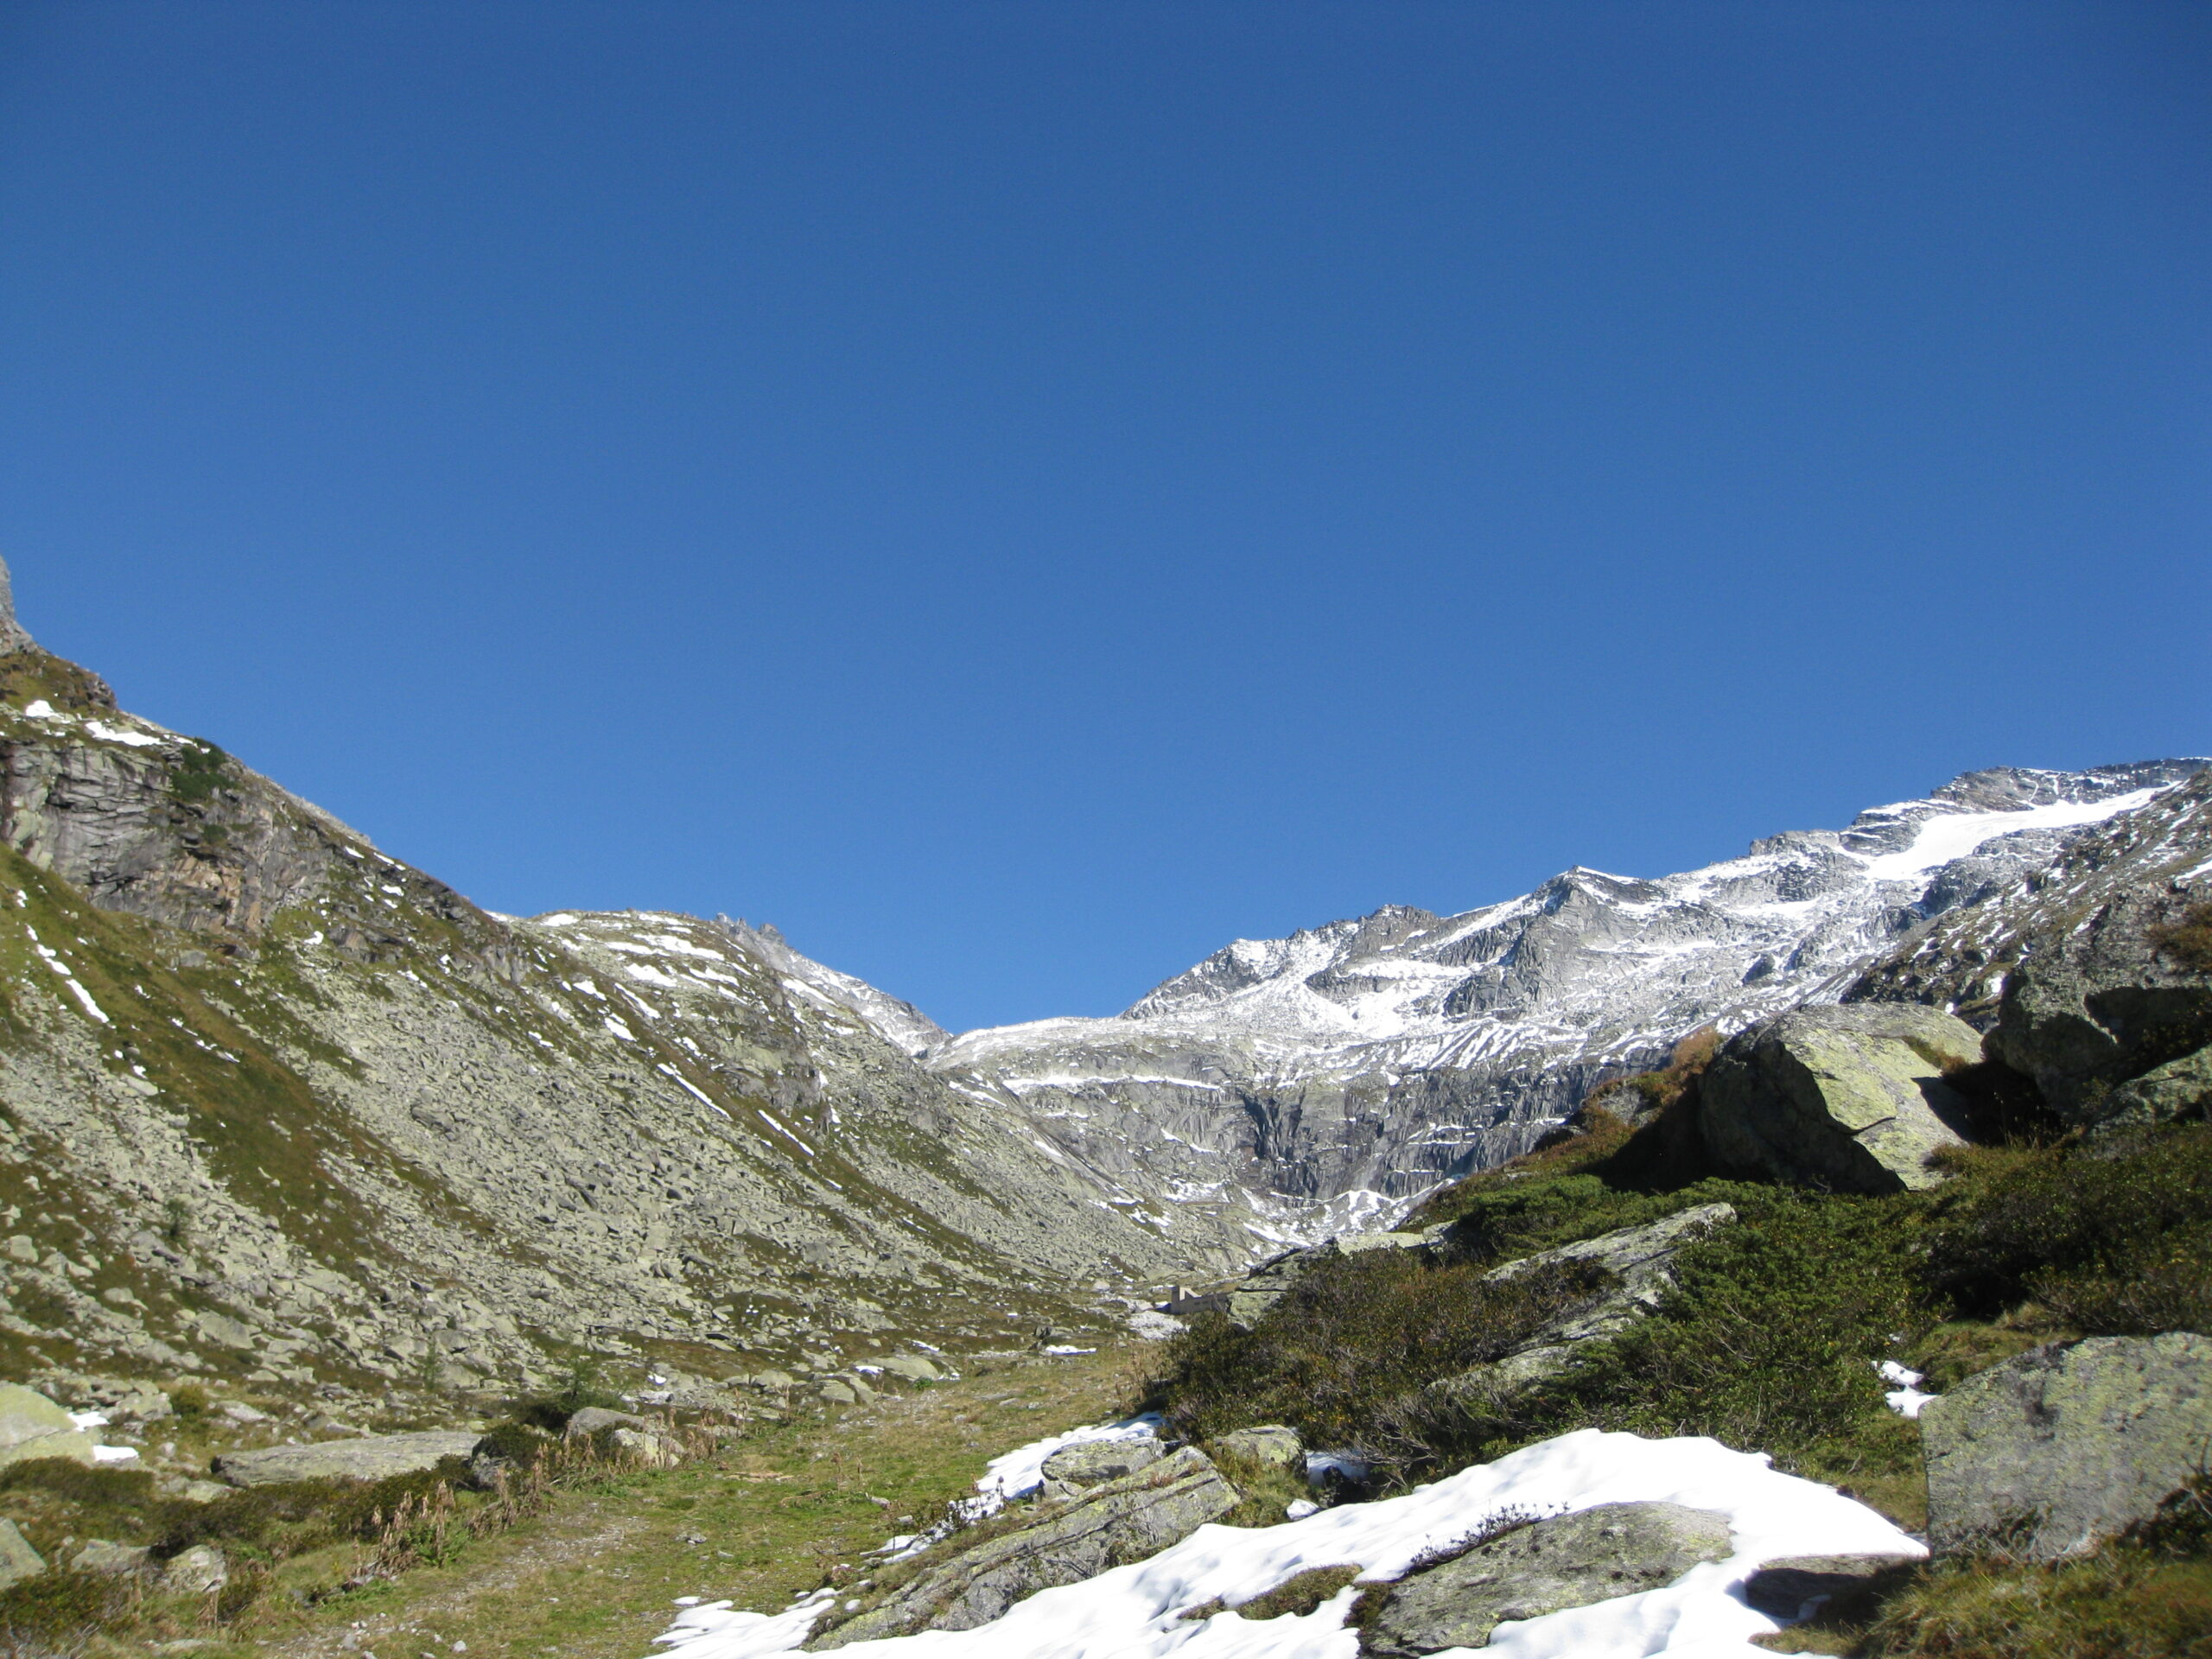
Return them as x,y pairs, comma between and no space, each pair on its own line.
597,1575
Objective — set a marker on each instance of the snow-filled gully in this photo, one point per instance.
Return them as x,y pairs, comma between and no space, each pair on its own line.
1135,1612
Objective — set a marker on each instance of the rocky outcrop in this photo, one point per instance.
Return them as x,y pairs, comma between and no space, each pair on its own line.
2101,1002
31,1427
2178,1090
375,1458
1101,1526
12,637
1849,1098
2068,1446
1078,1468
1639,1270
1569,1560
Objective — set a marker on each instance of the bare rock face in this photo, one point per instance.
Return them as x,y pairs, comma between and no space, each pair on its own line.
1853,1098
12,637
2054,1452
1105,1526
2105,1001
1569,1560
372,1458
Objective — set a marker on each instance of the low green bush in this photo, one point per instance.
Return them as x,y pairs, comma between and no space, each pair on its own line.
49,1617
2113,1235
1351,1338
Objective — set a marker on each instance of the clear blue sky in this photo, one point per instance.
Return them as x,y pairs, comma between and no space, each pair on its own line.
1021,495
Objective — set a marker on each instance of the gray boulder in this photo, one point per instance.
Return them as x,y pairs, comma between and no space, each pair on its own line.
2101,1002
913,1367
1569,1560
373,1458
594,1419
1850,1098
1272,1445
18,1561
2067,1446
1090,1463
1105,1526
196,1572
1642,1262
32,1426
111,1560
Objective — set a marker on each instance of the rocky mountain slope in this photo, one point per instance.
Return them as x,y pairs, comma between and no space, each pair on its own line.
273,1103
1354,1064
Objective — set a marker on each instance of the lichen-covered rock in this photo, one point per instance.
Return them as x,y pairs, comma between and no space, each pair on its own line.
1271,1444
1851,1098
2067,1446
196,1571
1569,1560
1089,1463
111,1560
1639,1264
18,1561
1106,1526
372,1458
32,1426
2102,1000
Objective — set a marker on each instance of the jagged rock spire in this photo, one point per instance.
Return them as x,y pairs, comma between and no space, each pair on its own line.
12,637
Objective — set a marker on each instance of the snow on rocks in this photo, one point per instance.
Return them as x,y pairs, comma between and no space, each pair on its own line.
1021,1471
1905,1398
1136,1611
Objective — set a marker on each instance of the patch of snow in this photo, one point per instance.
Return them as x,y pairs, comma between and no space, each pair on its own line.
1136,1611
85,1419
1020,1471
1906,1398
559,919
108,734
1955,834
115,1454
44,710
1063,1350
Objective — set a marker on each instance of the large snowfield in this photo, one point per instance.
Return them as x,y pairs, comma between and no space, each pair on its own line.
1133,1612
